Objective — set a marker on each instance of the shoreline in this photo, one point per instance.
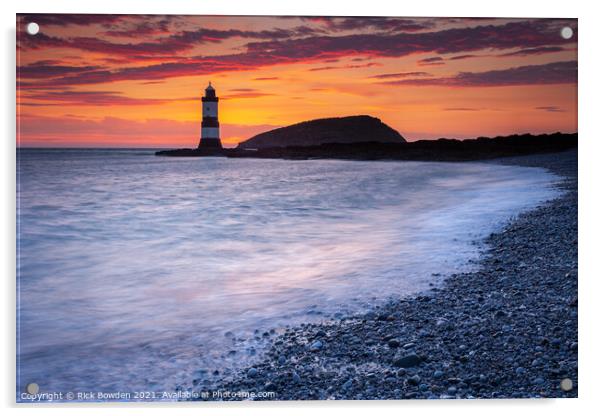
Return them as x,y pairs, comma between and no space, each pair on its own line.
440,150
506,330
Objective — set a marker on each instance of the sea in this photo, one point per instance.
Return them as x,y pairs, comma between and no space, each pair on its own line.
138,273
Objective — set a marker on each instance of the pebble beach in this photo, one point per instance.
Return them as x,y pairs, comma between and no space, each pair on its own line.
506,330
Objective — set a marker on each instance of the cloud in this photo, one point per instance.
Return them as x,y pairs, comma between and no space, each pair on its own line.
141,29
278,47
402,75
436,60
165,46
147,73
551,109
517,34
92,98
152,82
54,19
535,51
460,57
327,68
49,69
243,95
266,79
393,24
460,109
552,73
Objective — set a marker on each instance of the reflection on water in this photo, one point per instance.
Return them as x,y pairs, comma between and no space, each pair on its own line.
138,272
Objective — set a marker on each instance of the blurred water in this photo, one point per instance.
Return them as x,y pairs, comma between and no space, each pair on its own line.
140,273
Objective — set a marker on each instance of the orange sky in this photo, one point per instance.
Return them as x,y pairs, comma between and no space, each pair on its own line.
136,81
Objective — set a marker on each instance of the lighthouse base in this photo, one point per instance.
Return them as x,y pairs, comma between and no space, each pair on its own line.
207,143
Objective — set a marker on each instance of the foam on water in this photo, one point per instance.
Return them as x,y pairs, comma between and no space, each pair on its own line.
142,273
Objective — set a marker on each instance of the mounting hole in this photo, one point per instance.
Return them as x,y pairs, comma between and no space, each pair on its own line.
32,28
566,384
566,32
32,388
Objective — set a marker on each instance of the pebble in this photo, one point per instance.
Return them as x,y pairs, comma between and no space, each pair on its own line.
415,380
407,361
296,377
316,346
393,343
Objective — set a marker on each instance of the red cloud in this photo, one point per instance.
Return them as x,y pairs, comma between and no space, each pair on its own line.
94,98
552,73
402,75
284,47
535,51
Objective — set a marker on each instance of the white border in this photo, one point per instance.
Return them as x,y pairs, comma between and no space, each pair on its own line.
590,152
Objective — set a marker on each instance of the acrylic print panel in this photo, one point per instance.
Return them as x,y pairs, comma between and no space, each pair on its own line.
234,207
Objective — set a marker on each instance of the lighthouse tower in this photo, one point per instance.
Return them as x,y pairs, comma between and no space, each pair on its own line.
210,125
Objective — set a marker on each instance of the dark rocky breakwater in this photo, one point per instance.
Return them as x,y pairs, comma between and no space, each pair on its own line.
508,330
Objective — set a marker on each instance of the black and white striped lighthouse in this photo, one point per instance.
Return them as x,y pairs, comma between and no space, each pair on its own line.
210,124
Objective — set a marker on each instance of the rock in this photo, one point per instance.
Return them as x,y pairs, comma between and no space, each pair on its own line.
296,377
316,346
438,374
252,372
393,343
414,380
539,381
347,385
407,361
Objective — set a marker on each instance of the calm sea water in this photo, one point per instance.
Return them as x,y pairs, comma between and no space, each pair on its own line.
141,273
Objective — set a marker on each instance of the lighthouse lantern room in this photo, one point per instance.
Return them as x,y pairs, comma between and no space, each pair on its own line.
210,124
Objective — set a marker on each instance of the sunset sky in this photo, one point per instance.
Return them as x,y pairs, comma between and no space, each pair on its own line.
136,81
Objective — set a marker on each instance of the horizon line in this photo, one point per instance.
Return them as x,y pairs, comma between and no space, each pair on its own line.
233,147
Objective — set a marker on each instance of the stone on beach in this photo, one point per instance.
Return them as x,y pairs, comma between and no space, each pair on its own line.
407,361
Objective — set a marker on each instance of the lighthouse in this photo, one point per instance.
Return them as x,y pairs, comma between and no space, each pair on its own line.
210,125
